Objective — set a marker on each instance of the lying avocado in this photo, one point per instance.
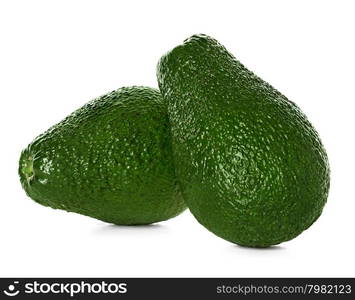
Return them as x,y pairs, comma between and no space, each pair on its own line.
110,160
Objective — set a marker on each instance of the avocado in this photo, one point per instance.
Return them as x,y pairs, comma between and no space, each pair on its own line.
251,167
110,160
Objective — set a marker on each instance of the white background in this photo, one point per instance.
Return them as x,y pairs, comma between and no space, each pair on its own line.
57,55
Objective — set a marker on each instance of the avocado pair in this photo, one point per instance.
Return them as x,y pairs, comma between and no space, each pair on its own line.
243,158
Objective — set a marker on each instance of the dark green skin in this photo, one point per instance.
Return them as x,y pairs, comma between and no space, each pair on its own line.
251,167
110,160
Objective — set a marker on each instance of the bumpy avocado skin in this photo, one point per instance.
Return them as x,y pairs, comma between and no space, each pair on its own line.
111,160
251,166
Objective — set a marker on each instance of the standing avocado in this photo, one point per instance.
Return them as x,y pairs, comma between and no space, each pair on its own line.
251,167
110,160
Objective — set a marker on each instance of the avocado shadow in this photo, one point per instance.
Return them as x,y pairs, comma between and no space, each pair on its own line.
112,229
275,248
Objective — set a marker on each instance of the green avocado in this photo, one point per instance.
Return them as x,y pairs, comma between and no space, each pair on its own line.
110,160
251,167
